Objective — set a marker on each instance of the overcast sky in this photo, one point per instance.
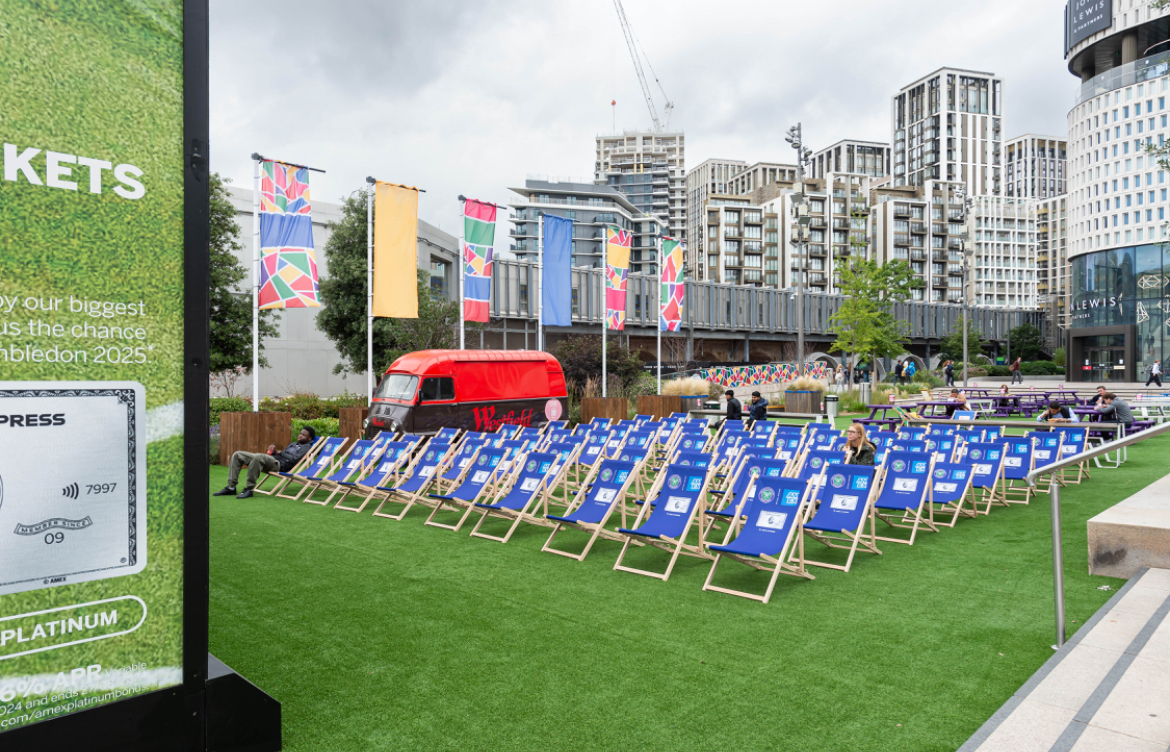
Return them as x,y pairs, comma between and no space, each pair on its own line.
471,97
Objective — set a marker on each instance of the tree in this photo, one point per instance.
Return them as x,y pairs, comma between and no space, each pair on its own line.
580,358
343,295
951,346
1025,342
865,324
231,310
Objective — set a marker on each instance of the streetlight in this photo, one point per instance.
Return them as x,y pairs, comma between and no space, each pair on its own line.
967,202
800,205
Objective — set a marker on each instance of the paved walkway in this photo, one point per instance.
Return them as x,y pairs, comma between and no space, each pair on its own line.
1106,690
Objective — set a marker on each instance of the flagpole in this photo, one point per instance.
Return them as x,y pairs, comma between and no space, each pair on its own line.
462,267
540,281
659,244
604,305
370,291
255,283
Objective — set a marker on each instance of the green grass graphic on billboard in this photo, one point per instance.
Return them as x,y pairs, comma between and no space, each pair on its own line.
91,301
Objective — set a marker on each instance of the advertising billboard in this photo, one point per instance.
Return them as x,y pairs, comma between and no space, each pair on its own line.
1084,18
91,355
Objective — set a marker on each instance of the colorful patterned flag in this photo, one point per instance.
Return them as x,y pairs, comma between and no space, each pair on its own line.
672,286
288,268
479,235
617,268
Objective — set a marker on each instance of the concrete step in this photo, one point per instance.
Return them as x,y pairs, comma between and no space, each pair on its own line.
1133,533
1106,690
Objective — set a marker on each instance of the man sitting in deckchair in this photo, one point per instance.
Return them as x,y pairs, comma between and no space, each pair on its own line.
266,463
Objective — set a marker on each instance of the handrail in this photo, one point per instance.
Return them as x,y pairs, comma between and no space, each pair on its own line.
1054,496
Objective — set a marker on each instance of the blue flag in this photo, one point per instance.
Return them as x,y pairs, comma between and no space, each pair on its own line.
556,282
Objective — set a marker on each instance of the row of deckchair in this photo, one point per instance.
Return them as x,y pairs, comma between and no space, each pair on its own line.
766,497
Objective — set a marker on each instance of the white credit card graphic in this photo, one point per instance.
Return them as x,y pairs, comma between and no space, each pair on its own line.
72,482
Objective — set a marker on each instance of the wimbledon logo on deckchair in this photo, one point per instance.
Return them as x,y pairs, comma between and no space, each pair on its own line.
940,473
530,466
816,462
606,474
837,481
674,481
976,453
899,466
766,495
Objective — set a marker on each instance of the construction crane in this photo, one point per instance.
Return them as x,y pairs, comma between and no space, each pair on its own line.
668,108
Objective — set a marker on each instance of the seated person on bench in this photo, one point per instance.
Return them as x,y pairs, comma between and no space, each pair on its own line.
266,463
1057,413
960,401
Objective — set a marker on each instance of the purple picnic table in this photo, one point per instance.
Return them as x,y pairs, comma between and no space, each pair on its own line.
873,418
938,408
1006,404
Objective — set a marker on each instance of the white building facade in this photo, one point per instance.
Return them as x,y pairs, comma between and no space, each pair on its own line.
650,169
708,179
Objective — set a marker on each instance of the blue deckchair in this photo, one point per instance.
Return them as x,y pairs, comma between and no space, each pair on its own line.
819,435
283,480
322,464
484,466
950,489
986,461
692,459
912,434
447,434
787,445
427,463
517,497
1075,441
1046,452
771,517
815,461
903,496
846,506
740,489
678,505
462,458
357,463
1019,460
941,445
906,445
394,456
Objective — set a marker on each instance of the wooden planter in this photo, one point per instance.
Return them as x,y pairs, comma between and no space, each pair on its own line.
659,407
802,402
615,408
252,432
351,422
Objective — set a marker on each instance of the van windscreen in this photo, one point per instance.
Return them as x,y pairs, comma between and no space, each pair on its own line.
399,386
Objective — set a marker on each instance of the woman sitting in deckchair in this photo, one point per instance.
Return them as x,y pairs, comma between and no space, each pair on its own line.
858,449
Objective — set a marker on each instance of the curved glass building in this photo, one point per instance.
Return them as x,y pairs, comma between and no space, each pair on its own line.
1119,306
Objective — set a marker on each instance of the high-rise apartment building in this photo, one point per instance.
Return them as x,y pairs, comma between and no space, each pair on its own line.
650,169
591,207
738,247
948,126
749,179
1034,166
1052,263
708,179
1004,233
870,158
923,226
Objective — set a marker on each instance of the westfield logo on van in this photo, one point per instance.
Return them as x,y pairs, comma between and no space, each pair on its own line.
486,420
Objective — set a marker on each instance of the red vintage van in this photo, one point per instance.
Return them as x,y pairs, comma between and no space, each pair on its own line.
477,390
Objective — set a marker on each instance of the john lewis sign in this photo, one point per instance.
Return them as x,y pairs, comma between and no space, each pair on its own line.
1084,18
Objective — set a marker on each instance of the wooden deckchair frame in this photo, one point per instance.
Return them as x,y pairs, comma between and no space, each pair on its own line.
675,546
283,481
598,530
467,506
957,507
778,565
907,519
395,472
539,498
993,494
855,540
281,492
323,484
419,496
1015,494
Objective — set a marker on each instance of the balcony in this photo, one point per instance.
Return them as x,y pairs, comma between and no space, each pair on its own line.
938,229
841,251
901,211
955,244
938,281
840,223
901,239
816,222
816,278
918,254
941,255
918,228
816,250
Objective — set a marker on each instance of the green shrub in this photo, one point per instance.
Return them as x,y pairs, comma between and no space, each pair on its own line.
999,371
309,406
228,405
1058,357
926,378
1040,368
323,427
972,371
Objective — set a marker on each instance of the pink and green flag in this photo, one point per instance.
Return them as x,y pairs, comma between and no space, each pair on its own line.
617,269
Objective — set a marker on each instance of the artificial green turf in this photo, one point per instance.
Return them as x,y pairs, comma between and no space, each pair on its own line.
377,634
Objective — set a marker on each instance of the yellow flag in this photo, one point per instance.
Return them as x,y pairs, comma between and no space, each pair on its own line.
395,251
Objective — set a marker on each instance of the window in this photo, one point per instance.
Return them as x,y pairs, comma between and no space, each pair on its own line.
437,389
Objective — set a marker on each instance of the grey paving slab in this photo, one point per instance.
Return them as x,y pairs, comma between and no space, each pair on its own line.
1031,726
1139,705
1101,740
1071,683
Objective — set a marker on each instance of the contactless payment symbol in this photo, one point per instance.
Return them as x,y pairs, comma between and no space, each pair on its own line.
838,481
674,481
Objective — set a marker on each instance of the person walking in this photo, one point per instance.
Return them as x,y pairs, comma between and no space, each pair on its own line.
1155,373
949,370
840,378
898,368
1015,369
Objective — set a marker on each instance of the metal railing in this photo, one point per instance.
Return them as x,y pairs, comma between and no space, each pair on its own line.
1054,497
